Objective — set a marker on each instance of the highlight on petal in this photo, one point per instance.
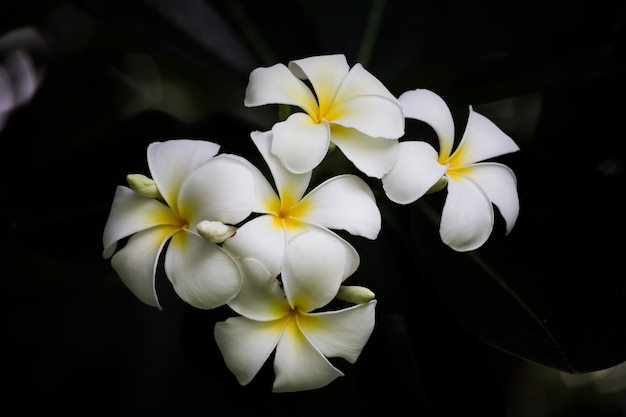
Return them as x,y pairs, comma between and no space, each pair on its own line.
298,365
278,85
499,183
482,140
425,105
375,116
284,179
467,218
299,143
415,172
373,156
344,202
131,213
313,270
202,273
221,189
246,344
341,333
136,262
170,162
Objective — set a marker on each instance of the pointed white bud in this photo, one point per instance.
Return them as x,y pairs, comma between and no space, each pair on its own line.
215,232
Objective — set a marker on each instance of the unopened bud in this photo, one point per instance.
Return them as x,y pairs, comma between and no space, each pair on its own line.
215,232
143,185
355,294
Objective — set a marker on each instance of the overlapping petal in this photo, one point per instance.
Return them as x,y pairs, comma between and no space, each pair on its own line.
221,189
425,105
261,238
415,172
298,364
131,213
482,140
500,184
340,333
360,82
467,217
344,202
325,73
278,85
170,162
136,262
299,143
202,273
261,296
284,179
246,344
372,156
375,116
313,270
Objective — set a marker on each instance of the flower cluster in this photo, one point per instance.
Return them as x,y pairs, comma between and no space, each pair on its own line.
268,248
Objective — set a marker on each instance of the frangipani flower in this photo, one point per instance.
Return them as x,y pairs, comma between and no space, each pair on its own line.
473,186
344,202
192,193
348,107
275,317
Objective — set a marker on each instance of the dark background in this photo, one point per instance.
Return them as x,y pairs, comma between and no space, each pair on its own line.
532,324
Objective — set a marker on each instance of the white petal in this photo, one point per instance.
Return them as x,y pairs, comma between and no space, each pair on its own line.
374,116
325,73
202,273
283,178
278,85
298,365
499,183
415,172
482,140
313,270
246,344
171,161
136,262
340,333
262,238
428,107
344,202
261,296
131,213
299,143
222,189
467,217
352,256
372,156
266,197
360,82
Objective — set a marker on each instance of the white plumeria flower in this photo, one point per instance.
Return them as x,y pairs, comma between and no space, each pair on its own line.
473,186
348,107
344,202
194,187
275,317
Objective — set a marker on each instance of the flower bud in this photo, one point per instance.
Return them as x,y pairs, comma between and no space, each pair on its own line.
143,185
355,294
215,232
